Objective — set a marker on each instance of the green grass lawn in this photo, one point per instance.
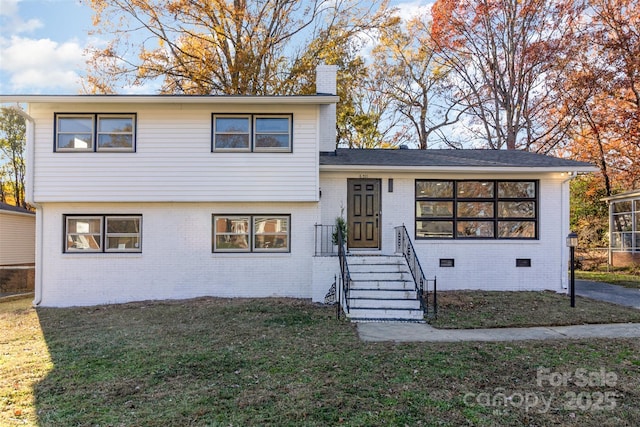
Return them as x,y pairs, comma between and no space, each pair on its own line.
615,278
500,309
282,362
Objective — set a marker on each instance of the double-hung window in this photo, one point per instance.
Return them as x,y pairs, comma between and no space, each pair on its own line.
476,209
103,233
95,132
251,233
252,132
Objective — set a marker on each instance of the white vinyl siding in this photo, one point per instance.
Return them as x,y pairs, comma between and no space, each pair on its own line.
173,161
17,238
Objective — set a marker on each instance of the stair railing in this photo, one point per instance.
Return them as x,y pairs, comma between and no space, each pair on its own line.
405,246
345,276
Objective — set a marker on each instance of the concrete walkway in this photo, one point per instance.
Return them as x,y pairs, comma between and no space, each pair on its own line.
421,332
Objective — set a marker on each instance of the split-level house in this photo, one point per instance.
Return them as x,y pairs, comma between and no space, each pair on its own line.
165,197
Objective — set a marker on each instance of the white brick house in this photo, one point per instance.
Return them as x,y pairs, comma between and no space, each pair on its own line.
160,197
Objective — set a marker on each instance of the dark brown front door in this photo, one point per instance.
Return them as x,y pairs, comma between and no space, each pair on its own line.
363,213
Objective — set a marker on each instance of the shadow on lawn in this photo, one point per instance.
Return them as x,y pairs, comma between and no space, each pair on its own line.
178,363
288,363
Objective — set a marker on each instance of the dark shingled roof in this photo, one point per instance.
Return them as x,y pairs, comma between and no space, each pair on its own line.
446,158
11,208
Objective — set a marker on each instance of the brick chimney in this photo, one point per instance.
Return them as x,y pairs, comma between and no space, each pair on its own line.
326,84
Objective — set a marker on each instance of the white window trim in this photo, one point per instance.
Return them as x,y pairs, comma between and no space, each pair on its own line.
116,116
74,116
247,233
107,235
67,234
232,116
255,133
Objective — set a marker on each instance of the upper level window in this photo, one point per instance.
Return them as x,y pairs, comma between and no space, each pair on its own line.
233,132
480,209
95,132
74,133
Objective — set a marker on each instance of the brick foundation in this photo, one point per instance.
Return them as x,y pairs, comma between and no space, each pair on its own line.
17,279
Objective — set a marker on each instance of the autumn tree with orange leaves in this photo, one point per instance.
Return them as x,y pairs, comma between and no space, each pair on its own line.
413,78
604,90
507,56
225,47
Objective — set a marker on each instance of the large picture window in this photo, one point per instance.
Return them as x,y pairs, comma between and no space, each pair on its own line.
95,132
103,233
247,132
476,209
251,233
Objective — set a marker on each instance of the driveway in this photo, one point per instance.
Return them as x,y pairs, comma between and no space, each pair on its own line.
610,293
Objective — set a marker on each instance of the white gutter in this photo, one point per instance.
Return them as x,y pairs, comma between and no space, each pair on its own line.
29,198
566,227
6,212
170,99
457,169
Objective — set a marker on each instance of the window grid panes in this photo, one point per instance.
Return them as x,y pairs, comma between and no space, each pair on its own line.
111,132
84,234
625,226
103,233
232,133
476,209
115,133
272,133
271,233
74,133
122,233
231,233
252,132
251,233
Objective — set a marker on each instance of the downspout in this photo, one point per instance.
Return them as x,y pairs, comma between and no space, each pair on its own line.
565,201
29,198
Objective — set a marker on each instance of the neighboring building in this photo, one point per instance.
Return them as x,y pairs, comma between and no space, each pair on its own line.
17,248
624,228
157,197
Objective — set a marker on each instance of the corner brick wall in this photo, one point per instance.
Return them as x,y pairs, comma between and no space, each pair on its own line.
176,260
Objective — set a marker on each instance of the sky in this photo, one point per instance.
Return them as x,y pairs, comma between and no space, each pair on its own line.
43,42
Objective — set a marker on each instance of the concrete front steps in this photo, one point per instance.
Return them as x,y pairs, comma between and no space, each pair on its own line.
382,290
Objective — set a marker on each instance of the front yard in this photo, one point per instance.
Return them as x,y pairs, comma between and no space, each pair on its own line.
478,309
287,362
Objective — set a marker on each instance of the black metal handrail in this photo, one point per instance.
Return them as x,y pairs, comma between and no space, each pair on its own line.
345,276
405,246
324,240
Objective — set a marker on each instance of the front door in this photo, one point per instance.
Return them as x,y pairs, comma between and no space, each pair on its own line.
363,213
